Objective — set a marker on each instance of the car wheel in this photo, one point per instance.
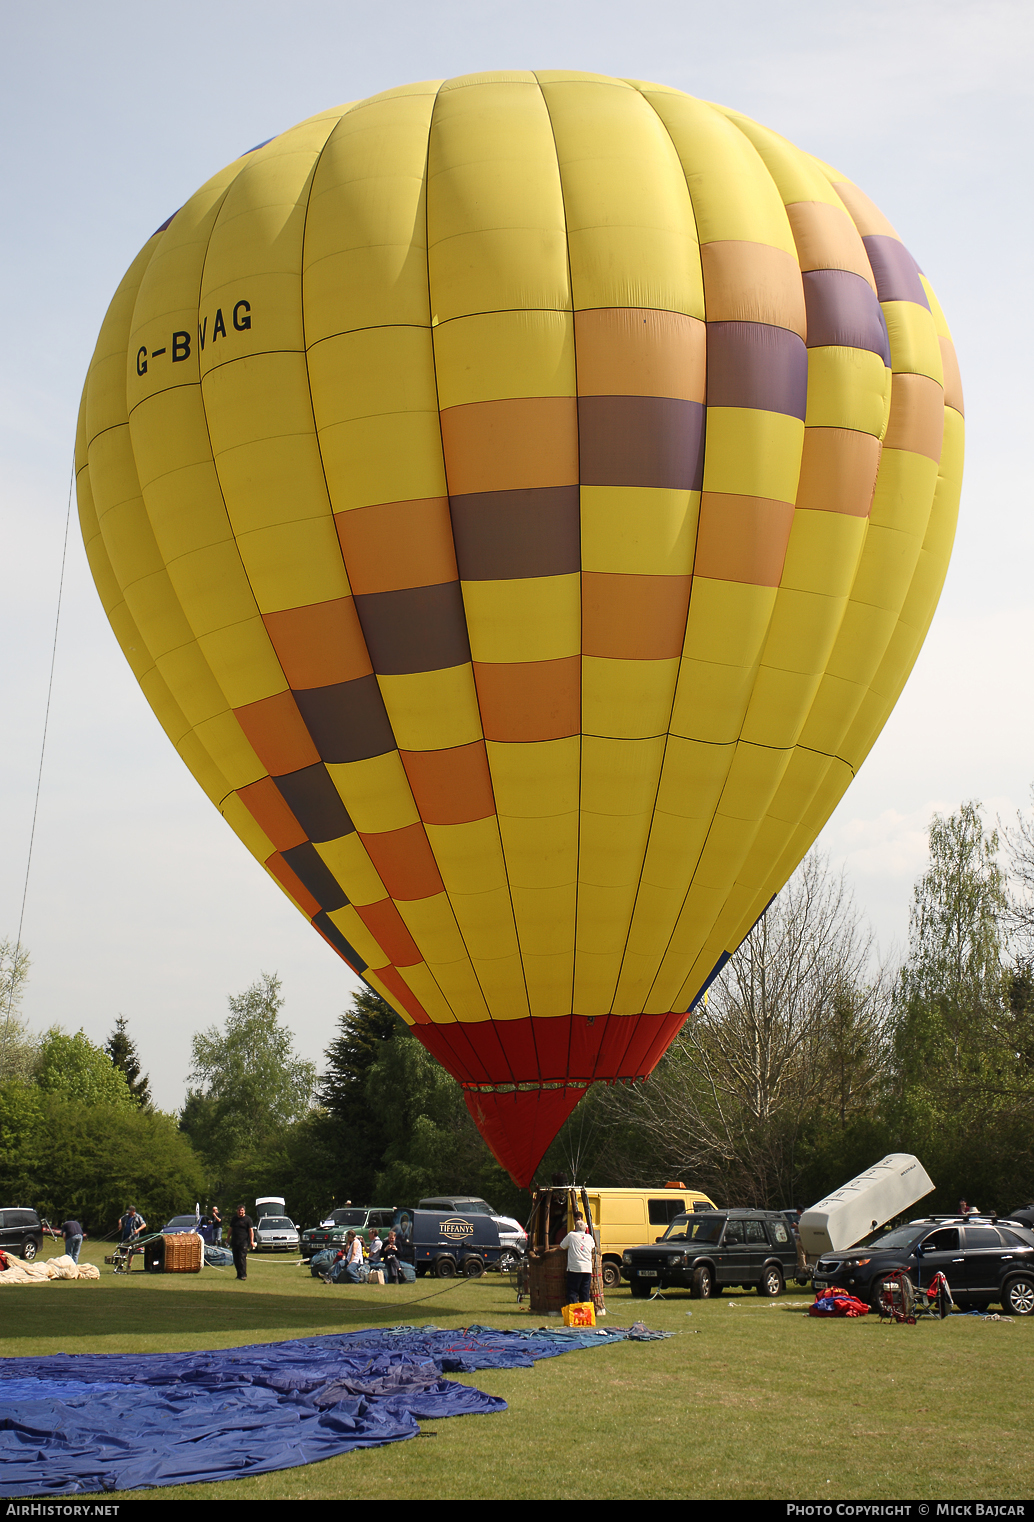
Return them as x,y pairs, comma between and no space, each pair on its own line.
508,1260
640,1289
474,1267
445,1268
610,1273
1018,1297
28,1249
702,1284
771,1282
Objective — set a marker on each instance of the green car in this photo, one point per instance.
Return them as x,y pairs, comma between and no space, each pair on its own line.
362,1219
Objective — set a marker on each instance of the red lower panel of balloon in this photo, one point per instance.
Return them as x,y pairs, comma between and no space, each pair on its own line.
519,1126
557,1059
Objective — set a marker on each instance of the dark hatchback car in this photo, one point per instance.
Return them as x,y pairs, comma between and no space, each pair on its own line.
21,1233
983,1261
709,1251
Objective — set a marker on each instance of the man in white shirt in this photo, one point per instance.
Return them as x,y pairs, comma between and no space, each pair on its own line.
581,1245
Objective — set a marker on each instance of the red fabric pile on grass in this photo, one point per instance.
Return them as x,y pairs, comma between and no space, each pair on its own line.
837,1302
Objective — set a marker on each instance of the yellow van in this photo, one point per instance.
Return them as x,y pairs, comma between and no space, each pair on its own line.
636,1217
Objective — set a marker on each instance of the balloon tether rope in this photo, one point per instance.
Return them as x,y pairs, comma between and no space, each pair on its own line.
39,781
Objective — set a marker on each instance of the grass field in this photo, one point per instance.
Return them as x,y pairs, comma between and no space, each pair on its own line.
750,1398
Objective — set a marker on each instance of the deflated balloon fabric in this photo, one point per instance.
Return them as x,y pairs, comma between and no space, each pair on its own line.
70,1424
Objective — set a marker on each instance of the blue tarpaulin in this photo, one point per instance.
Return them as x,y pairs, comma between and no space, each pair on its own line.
74,1423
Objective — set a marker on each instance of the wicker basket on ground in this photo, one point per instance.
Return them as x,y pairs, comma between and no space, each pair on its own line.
183,1253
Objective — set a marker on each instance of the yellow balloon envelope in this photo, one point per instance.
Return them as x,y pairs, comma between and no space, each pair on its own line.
522,499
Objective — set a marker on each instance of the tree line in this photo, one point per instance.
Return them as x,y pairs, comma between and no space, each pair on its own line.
806,1063
78,1133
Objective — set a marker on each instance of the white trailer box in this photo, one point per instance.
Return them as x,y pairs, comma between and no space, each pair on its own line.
853,1211
270,1204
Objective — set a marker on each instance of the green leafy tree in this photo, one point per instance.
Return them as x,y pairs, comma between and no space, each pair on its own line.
90,1161
122,1050
247,1087
82,1072
17,1049
962,1031
952,980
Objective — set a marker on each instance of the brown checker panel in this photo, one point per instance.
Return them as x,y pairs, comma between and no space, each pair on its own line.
753,364
504,535
309,867
415,629
315,802
347,722
641,441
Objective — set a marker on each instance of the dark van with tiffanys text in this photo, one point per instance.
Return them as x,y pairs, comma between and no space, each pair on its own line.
448,1242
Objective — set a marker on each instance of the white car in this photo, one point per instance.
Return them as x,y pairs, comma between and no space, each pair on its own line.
276,1233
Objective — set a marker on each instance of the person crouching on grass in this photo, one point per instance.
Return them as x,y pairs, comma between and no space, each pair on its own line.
580,1245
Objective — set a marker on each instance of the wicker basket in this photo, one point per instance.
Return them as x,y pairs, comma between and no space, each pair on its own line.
183,1253
548,1285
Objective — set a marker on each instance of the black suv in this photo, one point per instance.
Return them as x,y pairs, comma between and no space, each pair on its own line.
712,1250
21,1233
983,1260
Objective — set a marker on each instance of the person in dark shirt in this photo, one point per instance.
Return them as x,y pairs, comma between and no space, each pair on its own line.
73,1234
242,1238
390,1254
217,1226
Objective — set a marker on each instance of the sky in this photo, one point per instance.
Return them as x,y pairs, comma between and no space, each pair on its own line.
140,900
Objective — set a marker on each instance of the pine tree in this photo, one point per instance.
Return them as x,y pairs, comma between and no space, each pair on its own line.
122,1050
354,1133
361,1031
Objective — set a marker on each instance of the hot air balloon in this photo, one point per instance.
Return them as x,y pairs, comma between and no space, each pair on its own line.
521,500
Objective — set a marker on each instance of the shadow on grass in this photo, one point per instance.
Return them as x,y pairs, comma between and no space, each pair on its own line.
120,1310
